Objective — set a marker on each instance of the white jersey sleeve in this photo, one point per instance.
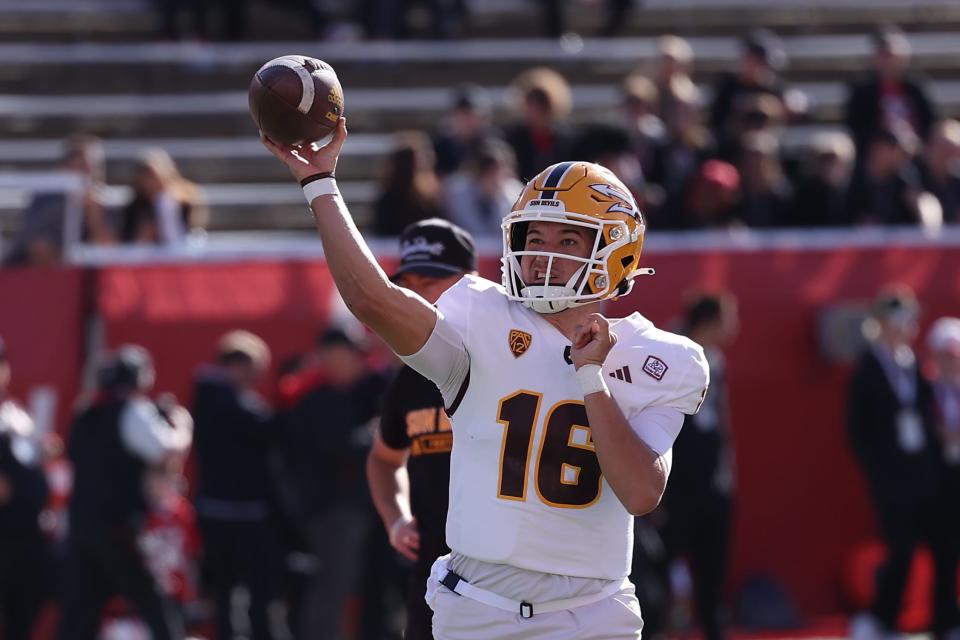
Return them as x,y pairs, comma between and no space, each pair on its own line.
445,357
658,427
663,376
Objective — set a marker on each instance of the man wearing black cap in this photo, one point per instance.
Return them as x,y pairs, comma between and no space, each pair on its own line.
409,464
890,429
462,134
113,443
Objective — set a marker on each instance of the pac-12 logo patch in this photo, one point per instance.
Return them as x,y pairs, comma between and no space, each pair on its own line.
655,367
519,342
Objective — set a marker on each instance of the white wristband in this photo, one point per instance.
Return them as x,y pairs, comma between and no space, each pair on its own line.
321,187
590,377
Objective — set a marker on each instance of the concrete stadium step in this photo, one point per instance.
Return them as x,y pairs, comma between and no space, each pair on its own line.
368,110
510,18
240,160
232,206
212,160
40,69
76,20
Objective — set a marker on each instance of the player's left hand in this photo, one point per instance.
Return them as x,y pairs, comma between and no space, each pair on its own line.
592,341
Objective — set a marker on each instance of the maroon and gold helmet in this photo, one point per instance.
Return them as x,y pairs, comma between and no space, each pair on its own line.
585,195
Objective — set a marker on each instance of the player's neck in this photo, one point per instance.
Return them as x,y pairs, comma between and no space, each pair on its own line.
566,321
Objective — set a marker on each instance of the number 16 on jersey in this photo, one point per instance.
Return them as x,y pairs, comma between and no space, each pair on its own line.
567,473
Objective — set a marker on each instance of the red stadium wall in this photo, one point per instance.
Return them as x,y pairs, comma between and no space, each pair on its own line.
801,503
42,314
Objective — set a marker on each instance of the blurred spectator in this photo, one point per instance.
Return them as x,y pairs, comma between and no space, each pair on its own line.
390,18
24,553
890,426
408,468
411,189
229,20
820,199
765,193
232,18
616,18
677,158
542,137
165,207
610,145
171,540
48,223
478,197
886,188
760,112
940,168
313,13
328,435
113,445
713,199
674,64
171,18
639,108
465,129
735,94
889,96
698,502
235,434
943,341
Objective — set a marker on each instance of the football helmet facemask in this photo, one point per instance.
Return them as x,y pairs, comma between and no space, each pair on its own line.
585,195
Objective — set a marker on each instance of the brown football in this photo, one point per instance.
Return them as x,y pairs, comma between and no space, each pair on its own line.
296,99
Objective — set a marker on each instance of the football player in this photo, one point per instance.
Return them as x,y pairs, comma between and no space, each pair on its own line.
563,420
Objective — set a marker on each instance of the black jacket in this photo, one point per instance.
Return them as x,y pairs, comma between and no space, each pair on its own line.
19,517
108,479
872,413
233,435
864,115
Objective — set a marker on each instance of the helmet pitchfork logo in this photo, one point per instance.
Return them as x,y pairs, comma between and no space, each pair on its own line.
612,192
519,342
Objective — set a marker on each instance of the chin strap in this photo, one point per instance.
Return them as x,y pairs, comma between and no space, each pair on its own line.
643,271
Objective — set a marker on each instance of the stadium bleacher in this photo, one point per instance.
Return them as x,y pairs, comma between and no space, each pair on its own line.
84,68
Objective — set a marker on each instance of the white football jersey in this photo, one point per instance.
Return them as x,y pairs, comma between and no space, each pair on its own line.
525,483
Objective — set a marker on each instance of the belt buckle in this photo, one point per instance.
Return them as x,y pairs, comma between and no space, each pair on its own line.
526,610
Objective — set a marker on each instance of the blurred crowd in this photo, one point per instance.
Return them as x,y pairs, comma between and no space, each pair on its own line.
374,19
694,164
244,516
691,163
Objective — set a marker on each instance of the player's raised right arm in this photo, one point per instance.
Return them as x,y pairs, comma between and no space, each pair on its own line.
403,319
